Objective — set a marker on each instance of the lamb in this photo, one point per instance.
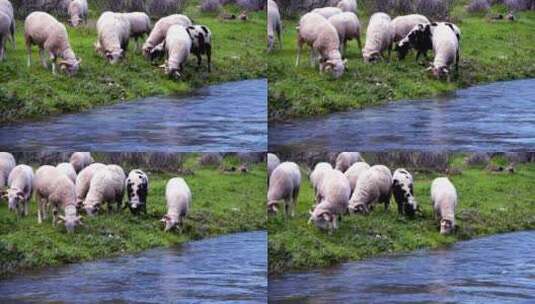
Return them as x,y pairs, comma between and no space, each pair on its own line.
56,190
83,181
178,200
80,160
353,173
317,176
284,184
446,49
137,187
140,25
7,9
272,162
113,31
51,36
403,190
348,27
322,36
20,184
344,160
178,46
379,37
334,195
7,163
67,169
159,32
348,6
402,25
374,185
327,12
444,198
274,25
106,186
201,38
78,12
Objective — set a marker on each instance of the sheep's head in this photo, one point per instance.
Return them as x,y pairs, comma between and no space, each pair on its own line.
75,21
71,66
71,222
358,207
335,67
272,208
114,56
156,52
91,208
14,198
439,72
169,222
446,226
323,220
371,57
403,48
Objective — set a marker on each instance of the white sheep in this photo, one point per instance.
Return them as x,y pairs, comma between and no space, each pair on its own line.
51,37
201,43
80,160
444,198
106,186
113,30
7,163
327,12
159,32
67,169
373,185
334,195
317,176
379,38
316,31
272,162
274,25
20,184
7,9
83,181
78,12
446,48
403,190
178,201
140,26
347,25
402,25
344,160
284,184
348,5
178,46
5,33
354,172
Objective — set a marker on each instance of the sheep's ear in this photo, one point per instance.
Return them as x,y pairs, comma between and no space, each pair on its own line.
205,29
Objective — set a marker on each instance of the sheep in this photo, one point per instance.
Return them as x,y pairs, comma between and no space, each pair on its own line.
274,25
159,32
78,12
348,6
106,186
344,160
140,26
83,181
373,185
316,177
347,25
67,169
420,39
51,36
353,173
178,46
80,160
446,49
272,162
444,198
334,195
201,38
322,36
137,187
403,190
5,32
178,201
56,190
113,30
284,184
327,12
7,9
7,163
379,36
20,184
402,25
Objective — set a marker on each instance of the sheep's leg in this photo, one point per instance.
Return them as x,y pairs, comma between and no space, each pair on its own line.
29,51
389,52
359,43
26,203
12,31
39,212
199,59
299,48
53,59
2,50
279,36
286,207
54,215
209,57
312,58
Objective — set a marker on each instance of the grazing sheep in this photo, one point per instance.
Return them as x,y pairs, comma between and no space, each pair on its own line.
354,172
51,36
7,9
347,25
316,177
140,26
446,49
201,38
284,184
334,195
348,6
274,25
7,163
159,32
83,181
327,12
67,169
322,36
5,32
344,160
402,25
78,12
420,39
113,31
403,190
178,47
20,184
444,198
137,188
373,185
379,36
80,160
272,162
178,201
106,186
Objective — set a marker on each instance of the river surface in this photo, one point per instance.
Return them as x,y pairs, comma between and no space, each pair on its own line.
495,117
226,269
220,118
498,269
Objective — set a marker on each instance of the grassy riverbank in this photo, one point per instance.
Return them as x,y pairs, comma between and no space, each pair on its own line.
490,51
489,203
30,93
222,203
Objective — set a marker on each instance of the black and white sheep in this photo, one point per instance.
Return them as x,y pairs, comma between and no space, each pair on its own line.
420,39
20,183
402,25
284,184
178,200
379,37
373,186
444,198
403,190
201,38
274,25
137,189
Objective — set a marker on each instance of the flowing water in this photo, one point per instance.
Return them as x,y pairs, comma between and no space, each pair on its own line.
498,269
226,269
494,117
219,118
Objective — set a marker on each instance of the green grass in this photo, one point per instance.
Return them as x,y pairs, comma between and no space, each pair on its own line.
489,203
490,51
31,93
222,203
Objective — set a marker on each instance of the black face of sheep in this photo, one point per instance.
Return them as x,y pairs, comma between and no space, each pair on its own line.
402,49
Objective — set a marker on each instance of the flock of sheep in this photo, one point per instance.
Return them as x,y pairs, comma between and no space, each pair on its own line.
354,187
83,185
174,35
327,31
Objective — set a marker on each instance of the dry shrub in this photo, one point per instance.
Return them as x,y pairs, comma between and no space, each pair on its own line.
477,159
295,8
211,159
429,161
436,9
251,5
210,6
478,6
519,5
55,7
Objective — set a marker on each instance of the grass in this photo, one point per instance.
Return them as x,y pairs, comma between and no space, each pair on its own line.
490,51
32,93
222,203
489,203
